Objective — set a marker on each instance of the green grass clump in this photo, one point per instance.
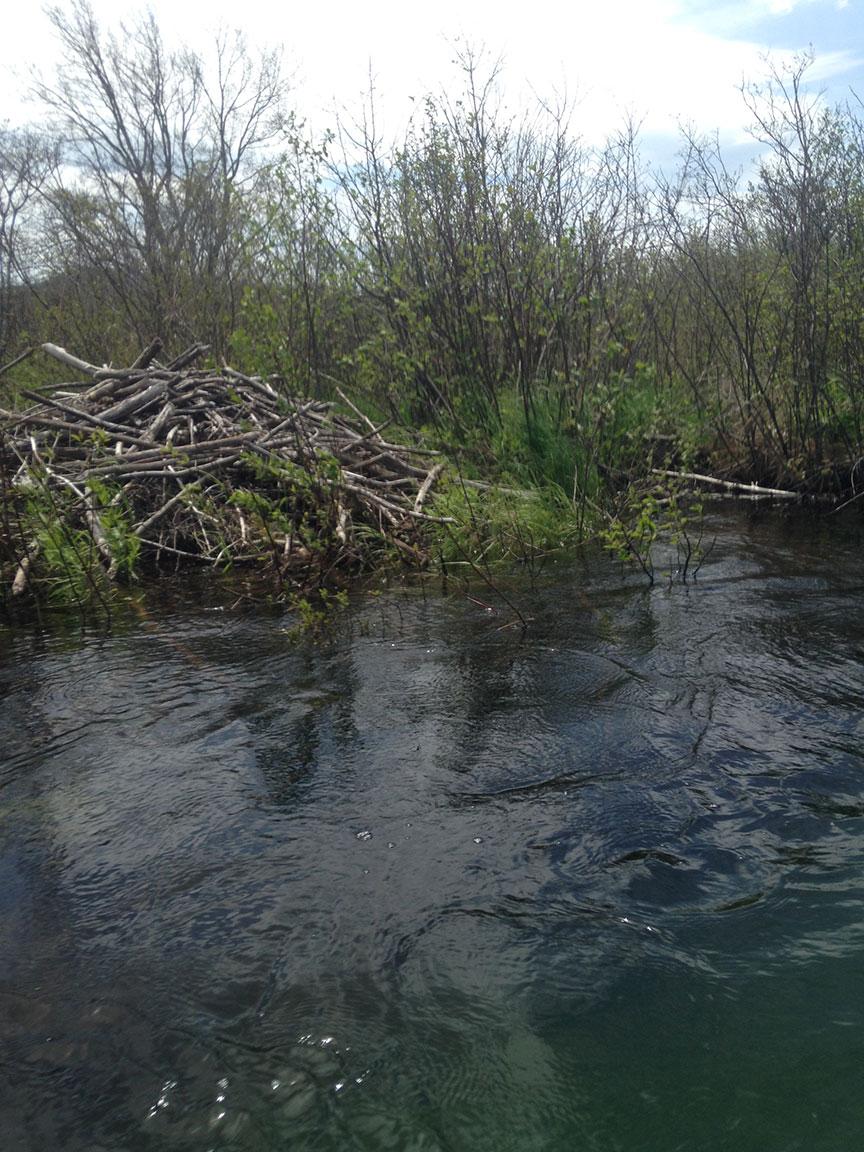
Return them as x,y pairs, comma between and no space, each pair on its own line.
502,525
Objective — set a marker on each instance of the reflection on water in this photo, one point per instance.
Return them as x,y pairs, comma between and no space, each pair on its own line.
429,887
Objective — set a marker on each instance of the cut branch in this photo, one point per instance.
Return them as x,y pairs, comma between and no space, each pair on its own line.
729,485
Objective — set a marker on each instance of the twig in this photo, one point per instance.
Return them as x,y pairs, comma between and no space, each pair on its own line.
23,356
147,524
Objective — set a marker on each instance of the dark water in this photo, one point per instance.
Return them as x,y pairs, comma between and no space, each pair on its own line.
429,887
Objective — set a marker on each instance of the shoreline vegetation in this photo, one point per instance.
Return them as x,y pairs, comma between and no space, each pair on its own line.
156,466
477,344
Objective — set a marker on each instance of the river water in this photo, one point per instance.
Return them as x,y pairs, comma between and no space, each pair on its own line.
433,886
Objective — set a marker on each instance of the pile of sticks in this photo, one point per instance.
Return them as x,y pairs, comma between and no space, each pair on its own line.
216,466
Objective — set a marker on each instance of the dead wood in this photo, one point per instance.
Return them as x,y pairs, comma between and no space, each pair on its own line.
729,485
215,465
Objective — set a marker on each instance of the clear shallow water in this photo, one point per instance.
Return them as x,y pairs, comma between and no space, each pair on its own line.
432,888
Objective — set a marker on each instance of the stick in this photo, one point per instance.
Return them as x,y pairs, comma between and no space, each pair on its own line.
97,421
65,425
133,471
380,502
261,386
357,412
187,357
147,524
160,547
22,576
730,485
136,402
148,355
426,486
17,360
67,358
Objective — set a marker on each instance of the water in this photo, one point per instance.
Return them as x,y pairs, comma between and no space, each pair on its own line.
431,887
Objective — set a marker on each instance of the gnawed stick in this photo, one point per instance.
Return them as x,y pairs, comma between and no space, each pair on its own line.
729,485
58,353
154,429
22,576
343,523
426,486
92,370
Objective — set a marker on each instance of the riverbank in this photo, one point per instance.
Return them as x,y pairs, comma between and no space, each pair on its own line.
125,473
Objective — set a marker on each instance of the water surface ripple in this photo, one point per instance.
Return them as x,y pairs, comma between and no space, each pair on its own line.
429,887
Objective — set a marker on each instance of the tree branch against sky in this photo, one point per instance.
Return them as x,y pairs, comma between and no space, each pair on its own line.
662,61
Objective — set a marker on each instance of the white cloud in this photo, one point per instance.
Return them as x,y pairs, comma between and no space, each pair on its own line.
662,60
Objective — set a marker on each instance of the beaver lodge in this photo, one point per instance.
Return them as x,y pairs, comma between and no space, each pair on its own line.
161,464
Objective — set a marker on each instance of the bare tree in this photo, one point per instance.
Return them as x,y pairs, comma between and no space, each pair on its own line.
157,150
26,160
798,183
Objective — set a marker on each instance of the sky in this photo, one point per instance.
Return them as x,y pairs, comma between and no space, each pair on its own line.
665,62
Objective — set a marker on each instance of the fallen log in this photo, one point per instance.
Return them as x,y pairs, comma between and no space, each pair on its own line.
729,485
